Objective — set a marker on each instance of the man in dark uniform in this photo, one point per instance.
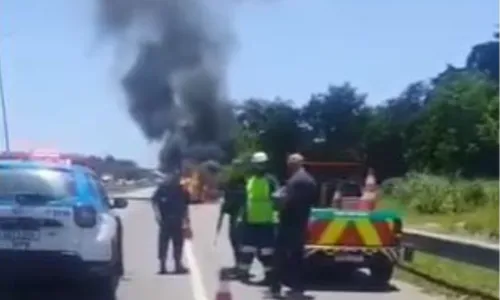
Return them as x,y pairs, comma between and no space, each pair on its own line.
232,205
299,195
170,204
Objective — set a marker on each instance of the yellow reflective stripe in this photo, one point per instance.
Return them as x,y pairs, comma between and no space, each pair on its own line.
244,267
332,233
367,232
276,217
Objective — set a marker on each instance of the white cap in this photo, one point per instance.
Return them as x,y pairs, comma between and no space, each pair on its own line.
295,158
259,157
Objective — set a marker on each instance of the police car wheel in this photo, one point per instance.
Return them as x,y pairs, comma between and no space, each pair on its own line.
119,251
106,285
120,269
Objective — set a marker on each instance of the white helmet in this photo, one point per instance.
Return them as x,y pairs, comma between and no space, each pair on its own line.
259,157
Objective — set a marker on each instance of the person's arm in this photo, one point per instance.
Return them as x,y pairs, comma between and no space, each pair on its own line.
155,200
156,196
291,196
185,207
221,217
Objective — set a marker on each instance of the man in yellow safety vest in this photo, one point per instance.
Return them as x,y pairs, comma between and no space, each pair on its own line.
258,219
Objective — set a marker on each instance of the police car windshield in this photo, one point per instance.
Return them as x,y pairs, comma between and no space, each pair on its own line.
47,183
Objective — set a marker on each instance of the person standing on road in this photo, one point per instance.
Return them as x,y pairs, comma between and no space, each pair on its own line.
170,204
232,205
258,220
299,195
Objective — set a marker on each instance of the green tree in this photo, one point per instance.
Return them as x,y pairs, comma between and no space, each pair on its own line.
448,124
484,58
336,121
447,136
387,135
275,123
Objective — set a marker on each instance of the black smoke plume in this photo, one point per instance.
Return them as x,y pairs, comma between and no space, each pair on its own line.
176,87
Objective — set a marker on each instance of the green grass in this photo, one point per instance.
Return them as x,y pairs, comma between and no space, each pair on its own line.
452,206
452,279
477,223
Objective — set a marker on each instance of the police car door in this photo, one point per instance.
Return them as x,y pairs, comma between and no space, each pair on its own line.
106,215
36,209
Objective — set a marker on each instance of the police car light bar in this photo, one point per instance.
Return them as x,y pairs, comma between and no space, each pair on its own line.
49,156
37,155
45,153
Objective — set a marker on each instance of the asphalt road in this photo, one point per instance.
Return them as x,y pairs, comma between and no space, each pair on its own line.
204,259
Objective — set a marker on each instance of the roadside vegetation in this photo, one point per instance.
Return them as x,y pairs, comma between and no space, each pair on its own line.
445,204
448,205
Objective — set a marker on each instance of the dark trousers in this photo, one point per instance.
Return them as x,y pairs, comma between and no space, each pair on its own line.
257,240
234,239
288,259
170,230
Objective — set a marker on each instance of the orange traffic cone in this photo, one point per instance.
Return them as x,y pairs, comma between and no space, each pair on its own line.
223,292
371,180
370,195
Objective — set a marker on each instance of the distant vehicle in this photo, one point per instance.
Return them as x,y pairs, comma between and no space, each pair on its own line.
56,218
107,178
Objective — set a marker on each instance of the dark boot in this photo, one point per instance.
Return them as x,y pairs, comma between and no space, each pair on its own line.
267,279
296,295
180,268
275,292
243,276
163,267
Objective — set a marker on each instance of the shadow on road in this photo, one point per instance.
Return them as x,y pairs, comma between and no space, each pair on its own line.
52,290
347,282
358,281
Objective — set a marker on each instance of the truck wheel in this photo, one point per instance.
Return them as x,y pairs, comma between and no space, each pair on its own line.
381,269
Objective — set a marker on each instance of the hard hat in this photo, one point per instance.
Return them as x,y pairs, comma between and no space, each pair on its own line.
259,157
295,158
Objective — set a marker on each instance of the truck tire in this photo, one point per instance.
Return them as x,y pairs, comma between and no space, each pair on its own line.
381,269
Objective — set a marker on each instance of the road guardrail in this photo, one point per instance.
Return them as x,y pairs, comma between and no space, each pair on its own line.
478,253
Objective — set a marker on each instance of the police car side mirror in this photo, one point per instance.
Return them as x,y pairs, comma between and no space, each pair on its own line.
119,203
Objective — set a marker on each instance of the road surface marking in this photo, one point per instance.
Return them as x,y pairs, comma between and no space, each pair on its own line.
197,285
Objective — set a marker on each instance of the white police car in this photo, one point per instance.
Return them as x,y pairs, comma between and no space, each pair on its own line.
56,220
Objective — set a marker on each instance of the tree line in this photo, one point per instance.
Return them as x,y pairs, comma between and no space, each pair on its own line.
446,125
119,168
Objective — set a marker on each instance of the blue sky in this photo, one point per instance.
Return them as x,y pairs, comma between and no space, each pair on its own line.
62,87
